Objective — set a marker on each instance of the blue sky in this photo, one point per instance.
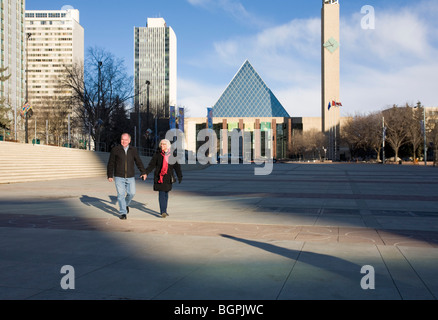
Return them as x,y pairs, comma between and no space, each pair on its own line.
394,63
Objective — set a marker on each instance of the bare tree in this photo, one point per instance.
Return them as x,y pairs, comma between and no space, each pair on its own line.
99,87
353,133
414,136
375,131
299,144
363,135
56,112
309,144
396,121
4,109
432,136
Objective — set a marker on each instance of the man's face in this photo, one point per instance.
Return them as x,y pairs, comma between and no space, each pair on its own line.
125,141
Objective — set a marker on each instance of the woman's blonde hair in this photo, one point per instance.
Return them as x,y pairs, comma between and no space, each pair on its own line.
166,142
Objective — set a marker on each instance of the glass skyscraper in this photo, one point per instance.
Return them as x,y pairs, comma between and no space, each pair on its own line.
155,67
13,57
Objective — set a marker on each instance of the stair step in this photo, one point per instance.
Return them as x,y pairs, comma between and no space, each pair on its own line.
21,162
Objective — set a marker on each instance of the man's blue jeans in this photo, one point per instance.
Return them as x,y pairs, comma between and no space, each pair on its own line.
125,192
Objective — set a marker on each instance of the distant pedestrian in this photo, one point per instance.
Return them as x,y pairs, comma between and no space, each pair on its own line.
121,170
164,174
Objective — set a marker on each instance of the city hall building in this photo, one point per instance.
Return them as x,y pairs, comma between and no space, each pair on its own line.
248,104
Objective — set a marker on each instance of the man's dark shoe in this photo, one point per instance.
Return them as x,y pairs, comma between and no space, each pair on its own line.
127,209
123,217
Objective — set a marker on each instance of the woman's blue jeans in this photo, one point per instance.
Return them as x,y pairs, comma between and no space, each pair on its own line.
163,197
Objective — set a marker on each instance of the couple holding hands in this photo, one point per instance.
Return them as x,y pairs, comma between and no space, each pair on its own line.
121,170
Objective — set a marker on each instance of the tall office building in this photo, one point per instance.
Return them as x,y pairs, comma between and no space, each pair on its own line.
330,76
155,63
12,56
56,41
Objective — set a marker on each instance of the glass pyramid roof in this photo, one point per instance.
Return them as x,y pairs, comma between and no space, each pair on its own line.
248,96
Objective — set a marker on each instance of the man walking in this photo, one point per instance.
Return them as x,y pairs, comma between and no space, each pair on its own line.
121,170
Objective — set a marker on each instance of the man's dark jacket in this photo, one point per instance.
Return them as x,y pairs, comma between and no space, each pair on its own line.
122,165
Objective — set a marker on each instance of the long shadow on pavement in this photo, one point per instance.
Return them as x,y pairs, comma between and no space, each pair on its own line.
110,208
317,259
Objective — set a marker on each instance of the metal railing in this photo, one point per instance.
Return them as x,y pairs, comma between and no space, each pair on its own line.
147,152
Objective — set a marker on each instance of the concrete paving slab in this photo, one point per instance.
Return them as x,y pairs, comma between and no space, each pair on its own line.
303,232
407,281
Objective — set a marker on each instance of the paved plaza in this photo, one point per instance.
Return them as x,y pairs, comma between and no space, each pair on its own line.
303,232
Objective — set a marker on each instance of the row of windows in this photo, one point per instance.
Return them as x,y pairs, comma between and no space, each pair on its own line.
50,23
51,44
47,76
49,29
51,49
49,60
50,55
33,42
46,15
48,92
54,81
36,34
47,71
44,87
47,66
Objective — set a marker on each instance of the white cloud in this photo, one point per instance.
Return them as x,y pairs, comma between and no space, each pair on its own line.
397,36
233,8
196,96
281,54
393,64
199,2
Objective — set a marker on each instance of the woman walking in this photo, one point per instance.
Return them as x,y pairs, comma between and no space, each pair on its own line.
164,174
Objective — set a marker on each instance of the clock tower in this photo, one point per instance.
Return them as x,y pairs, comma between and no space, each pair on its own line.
330,68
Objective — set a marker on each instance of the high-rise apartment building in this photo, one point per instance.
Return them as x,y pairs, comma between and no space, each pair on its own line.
12,57
155,67
56,41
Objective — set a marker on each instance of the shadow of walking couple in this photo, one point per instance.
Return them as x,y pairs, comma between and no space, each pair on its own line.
110,206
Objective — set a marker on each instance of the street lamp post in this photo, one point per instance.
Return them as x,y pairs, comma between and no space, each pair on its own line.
148,83
383,140
26,128
424,136
424,132
99,76
147,103
139,126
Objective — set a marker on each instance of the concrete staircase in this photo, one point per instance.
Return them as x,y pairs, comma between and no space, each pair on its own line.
26,162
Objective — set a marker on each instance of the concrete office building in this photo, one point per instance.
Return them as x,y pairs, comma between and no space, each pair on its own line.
155,69
56,41
12,56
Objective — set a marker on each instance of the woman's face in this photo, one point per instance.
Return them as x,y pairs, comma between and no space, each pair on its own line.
164,146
